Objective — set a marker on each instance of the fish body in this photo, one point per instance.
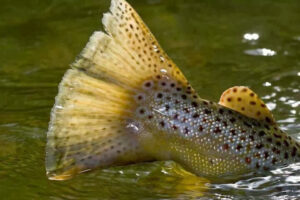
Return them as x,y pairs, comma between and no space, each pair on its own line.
125,101
207,138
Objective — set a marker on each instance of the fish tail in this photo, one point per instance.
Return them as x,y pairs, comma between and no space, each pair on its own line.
97,96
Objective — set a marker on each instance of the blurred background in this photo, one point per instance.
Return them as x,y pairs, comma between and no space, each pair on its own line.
217,44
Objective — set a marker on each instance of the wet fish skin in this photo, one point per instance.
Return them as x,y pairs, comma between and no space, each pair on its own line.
207,138
125,101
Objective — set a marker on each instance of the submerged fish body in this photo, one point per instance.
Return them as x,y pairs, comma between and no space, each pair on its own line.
125,101
207,138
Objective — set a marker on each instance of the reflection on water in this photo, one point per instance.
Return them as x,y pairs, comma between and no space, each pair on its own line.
251,36
218,44
283,181
260,52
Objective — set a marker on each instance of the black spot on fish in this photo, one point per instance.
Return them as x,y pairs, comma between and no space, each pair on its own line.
140,97
247,124
142,111
148,84
266,154
175,116
232,120
274,160
186,110
186,130
286,155
277,135
268,119
194,104
196,115
257,165
269,139
206,111
267,127
200,128
217,130
232,132
261,133
259,146
204,103
167,107
251,137
278,143
221,111
275,150
238,147
159,95
293,154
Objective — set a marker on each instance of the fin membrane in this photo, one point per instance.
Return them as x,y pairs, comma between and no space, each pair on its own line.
245,101
88,126
128,52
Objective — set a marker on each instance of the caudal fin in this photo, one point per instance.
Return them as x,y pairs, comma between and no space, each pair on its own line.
88,126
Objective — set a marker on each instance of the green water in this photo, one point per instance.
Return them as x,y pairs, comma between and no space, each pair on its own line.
206,38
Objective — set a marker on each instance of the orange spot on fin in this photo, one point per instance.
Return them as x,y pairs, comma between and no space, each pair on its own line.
245,101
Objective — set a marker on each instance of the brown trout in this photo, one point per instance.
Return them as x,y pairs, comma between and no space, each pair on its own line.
125,101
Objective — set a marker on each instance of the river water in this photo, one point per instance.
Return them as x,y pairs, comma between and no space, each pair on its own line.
217,44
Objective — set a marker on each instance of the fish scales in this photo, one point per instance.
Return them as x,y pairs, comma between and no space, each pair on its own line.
125,101
207,138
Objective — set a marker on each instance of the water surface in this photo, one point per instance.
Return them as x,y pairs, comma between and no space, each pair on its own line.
217,44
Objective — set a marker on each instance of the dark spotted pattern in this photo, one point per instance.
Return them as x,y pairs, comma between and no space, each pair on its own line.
224,136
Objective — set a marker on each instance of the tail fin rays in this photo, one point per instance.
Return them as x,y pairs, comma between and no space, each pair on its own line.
87,127
96,97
